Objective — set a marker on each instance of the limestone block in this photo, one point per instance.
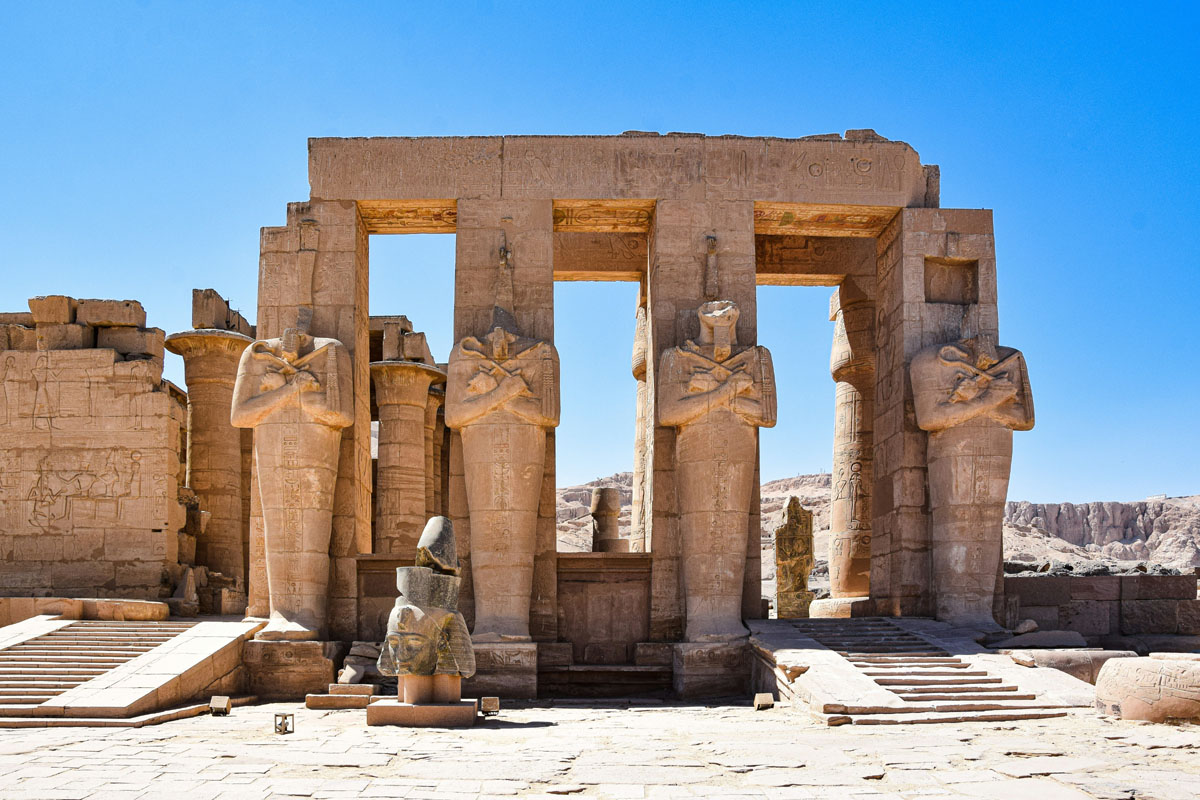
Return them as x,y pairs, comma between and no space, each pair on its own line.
65,337
1090,617
16,318
1049,638
461,714
416,348
123,610
1095,587
1158,587
1149,616
1189,617
52,309
710,669
503,669
1151,689
132,341
111,313
289,670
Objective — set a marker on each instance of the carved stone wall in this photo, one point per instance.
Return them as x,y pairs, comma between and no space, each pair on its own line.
90,438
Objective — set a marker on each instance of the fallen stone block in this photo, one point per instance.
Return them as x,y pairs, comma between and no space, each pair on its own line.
1150,689
1045,639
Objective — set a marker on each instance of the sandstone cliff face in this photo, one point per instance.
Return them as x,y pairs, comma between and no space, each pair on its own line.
1163,531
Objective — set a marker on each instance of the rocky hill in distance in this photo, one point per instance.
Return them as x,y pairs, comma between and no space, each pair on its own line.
1163,531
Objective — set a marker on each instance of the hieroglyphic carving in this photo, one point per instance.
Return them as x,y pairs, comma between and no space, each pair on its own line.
970,395
717,394
502,396
296,393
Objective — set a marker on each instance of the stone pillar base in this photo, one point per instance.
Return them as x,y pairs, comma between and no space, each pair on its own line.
794,605
427,715
716,669
289,670
504,669
842,608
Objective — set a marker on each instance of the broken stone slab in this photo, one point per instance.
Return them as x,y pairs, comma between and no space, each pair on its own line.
1041,639
1082,664
1025,626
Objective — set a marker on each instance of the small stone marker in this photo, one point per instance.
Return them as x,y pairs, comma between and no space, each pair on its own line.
763,701
489,706
285,723
219,705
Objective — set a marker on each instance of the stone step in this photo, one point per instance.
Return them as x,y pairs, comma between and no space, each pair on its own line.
35,699
604,680
926,673
9,686
353,688
917,653
904,691
62,672
44,650
966,696
927,717
933,681
902,661
37,661
868,665
337,701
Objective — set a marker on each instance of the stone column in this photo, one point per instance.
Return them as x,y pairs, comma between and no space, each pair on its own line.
432,451
606,509
214,461
403,397
852,364
641,437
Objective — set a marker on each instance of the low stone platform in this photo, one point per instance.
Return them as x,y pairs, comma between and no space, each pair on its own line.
461,714
890,671
290,670
343,695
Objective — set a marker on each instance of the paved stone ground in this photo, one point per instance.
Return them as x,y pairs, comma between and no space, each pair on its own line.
660,751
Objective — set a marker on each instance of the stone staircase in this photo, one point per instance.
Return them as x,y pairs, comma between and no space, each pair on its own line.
604,681
880,671
69,671
37,670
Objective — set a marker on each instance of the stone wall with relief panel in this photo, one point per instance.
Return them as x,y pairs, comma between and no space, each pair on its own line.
89,453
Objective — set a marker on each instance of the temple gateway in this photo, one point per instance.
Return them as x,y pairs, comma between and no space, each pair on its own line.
264,500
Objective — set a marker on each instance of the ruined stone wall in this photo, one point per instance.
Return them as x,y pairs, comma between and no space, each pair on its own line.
90,438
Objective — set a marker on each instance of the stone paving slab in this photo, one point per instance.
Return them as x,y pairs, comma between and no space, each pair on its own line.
543,751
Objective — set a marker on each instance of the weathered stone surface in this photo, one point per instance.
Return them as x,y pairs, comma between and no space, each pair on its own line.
502,398
605,508
711,669
1152,689
295,392
969,395
91,449
1042,639
1149,616
794,561
716,395
111,313
1082,664
288,670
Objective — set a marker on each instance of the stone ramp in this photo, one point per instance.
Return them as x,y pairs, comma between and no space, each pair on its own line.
878,671
89,669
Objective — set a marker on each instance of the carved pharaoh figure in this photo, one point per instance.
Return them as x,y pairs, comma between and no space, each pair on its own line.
296,393
502,397
717,395
426,635
970,395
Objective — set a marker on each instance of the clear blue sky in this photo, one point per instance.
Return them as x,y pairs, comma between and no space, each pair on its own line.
143,145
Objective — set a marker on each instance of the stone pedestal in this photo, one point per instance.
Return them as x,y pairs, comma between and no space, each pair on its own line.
459,714
504,669
401,496
842,607
711,669
214,463
289,670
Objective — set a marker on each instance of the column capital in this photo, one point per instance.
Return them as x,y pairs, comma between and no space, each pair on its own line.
208,354
404,382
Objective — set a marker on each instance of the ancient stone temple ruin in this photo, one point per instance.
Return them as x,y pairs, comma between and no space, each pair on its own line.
295,520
